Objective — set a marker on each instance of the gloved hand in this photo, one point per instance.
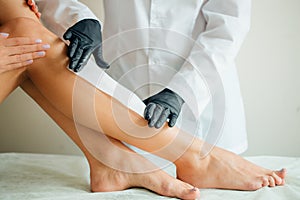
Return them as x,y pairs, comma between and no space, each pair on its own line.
85,38
162,106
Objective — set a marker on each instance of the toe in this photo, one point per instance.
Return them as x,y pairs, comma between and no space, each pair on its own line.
169,186
190,193
182,190
278,180
271,181
281,173
265,181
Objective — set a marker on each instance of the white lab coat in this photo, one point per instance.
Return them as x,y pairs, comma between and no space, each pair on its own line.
176,44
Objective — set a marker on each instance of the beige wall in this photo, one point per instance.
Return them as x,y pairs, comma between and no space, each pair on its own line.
96,6
269,69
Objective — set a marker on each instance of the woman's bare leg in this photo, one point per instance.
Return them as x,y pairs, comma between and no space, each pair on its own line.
220,169
13,9
106,179
10,80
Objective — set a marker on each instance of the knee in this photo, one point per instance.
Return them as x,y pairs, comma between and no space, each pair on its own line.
26,27
23,27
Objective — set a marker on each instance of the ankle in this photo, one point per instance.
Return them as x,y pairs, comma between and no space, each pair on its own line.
191,157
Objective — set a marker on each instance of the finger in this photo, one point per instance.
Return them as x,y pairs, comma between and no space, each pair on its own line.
35,9
83,60
3,36
75,59
30,2
24,57
17,41
19,65
73,47
162,119
99,58
173,119
67,35
28,49
156,114
148,113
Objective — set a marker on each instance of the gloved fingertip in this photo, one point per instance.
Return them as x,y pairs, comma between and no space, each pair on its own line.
172,122
78,69
82,63
67,35
106,67
158,125
148,113
102,64
147,116
152,122
150,125
71,67
162,120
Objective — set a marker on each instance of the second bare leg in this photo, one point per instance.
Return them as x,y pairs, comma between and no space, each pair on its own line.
106,179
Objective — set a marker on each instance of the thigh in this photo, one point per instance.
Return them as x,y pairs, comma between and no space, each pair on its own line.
11,9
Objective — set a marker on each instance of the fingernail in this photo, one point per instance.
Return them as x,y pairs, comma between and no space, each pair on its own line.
46,46
41,53
4,34
29,61
38,41
193,190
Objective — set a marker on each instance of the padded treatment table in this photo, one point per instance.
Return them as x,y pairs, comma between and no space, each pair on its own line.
63,177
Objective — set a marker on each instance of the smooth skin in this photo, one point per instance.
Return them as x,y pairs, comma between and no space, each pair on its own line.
16,53
19,51
219,169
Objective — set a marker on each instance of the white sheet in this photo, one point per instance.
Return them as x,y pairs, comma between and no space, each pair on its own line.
45,177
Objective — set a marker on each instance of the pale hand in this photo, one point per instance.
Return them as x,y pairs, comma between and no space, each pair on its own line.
19,51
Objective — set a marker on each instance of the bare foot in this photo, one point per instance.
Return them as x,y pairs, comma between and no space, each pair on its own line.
226,170
106,179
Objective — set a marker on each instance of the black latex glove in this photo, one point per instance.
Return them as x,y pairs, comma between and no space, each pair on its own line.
85,39
162,106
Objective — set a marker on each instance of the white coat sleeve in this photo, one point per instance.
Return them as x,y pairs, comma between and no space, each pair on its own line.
214,51
59,15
